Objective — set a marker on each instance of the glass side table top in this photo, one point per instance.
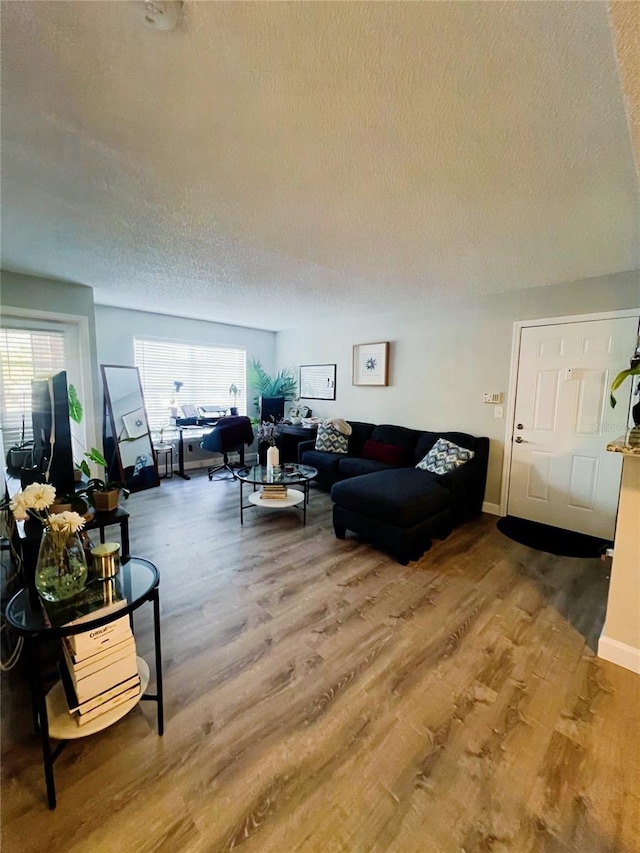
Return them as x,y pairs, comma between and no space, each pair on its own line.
288,474
137,578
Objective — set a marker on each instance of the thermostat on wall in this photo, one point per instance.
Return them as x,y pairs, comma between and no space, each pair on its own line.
492,397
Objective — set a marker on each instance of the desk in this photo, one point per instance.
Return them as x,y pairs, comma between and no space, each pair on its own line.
196,430
140,582
198,425
291,437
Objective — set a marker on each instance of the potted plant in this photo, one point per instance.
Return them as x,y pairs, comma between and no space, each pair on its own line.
283,384
633,370
102,495
295,412
71,502
234,392
76,413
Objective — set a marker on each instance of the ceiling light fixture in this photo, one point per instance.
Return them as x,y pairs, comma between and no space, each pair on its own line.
161,14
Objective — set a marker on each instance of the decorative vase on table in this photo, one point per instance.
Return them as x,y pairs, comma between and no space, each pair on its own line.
273,457
61,570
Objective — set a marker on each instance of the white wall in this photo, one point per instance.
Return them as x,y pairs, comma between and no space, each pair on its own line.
117,327
444,357
48,298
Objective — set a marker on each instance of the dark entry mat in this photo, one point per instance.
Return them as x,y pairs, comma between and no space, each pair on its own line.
553,540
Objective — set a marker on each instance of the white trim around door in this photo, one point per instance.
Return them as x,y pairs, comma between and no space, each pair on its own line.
513,379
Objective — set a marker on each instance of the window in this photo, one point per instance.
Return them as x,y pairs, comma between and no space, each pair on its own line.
25,354
206,374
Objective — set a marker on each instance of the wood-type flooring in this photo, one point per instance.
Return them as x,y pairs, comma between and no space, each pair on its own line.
320,697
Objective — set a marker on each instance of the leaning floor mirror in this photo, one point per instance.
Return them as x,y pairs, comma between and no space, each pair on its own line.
127,438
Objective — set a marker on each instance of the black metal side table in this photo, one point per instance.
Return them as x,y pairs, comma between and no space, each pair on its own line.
140,581
120,516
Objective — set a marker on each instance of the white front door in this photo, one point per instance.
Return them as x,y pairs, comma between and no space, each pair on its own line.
561,472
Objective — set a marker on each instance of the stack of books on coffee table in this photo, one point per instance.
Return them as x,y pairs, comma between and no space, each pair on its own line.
274,492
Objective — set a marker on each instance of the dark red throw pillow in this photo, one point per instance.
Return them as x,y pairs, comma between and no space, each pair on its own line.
392,454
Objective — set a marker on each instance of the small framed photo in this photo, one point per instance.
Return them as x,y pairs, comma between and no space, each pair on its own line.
371,364
135,423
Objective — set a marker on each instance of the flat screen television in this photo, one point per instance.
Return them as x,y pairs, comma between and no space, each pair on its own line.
52,451
271,409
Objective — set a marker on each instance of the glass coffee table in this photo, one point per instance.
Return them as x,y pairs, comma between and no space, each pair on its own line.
289,475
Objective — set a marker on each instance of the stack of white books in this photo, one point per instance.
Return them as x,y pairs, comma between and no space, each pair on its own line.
99,668
99,672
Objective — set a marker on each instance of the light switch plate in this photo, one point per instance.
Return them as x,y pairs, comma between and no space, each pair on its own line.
498,412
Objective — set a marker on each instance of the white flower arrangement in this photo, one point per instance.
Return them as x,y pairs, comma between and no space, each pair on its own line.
65,522
34,500
61,570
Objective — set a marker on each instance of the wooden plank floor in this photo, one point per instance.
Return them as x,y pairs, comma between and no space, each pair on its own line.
321,697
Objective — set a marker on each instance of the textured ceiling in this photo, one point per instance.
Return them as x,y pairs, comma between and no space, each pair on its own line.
270,163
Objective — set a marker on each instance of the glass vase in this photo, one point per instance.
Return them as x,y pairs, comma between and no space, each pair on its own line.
61,570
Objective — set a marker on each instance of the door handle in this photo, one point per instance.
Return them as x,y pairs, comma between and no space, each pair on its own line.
520,440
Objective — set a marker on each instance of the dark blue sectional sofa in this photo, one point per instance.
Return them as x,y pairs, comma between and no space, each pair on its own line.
392,503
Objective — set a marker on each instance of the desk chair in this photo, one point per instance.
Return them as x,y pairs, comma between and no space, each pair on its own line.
229,435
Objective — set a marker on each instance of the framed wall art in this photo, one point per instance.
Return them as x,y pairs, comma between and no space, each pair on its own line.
318,381
371,364
135,423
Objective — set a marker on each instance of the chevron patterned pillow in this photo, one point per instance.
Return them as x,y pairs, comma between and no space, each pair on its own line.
330,440
445,456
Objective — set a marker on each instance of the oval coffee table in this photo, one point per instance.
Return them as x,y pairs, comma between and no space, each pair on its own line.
285,475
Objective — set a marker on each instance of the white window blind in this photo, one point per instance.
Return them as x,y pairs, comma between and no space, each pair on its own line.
206,373
24,355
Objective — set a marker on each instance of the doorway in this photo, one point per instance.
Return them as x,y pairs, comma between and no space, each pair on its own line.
560,472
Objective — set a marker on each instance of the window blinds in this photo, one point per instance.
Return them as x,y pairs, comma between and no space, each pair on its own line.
206,373
24,355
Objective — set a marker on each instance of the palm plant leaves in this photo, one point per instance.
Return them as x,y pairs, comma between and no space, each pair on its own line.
283,384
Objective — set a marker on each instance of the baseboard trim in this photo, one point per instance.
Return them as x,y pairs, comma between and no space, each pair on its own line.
619,653
492,509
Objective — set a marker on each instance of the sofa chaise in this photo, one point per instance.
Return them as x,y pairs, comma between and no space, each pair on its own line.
380,494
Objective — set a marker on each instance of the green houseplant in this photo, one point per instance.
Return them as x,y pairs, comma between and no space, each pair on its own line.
102,494
633,370
283,384
617,382
234,392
